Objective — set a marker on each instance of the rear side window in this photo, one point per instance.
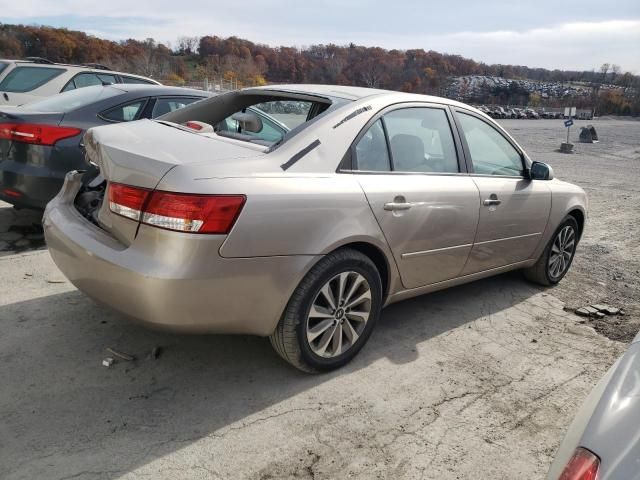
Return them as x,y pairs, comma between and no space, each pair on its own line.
371,150
421,140
25,79
135,80
3,66
167,105
89,79
124,113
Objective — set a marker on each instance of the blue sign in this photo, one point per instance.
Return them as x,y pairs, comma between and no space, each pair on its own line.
568,123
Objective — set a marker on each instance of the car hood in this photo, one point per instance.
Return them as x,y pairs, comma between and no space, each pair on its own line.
140,153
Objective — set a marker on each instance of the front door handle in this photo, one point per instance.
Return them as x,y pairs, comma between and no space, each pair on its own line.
395,206
492,200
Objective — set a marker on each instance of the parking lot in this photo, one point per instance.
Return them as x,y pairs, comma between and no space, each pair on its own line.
479,381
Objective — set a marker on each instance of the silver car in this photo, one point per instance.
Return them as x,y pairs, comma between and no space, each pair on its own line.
603,442
369,198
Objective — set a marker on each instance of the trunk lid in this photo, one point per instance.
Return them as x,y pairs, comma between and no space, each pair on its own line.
141,153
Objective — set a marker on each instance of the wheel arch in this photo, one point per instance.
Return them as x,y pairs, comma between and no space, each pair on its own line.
379,259
579,216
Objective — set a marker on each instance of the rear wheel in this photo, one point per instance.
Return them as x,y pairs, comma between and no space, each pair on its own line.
331,314
556,259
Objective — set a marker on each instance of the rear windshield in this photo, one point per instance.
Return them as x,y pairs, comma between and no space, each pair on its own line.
25,79
73,99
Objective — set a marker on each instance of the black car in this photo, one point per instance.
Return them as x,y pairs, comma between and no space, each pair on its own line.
41,141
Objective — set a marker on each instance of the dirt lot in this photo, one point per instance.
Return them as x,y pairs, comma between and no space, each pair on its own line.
479,381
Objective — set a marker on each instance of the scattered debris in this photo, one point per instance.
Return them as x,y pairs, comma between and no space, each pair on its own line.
107,362
55,281
123,356
28,274
598,310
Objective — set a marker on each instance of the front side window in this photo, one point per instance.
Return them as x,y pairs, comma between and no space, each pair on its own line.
420,140
166,105
491,153
371,150
25,79
124,113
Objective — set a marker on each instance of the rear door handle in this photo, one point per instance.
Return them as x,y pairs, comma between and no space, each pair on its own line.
492,200
395,206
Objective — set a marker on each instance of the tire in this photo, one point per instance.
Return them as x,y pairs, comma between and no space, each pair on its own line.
291,338
542,272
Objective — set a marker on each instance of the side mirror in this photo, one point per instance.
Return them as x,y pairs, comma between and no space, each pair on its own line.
540,171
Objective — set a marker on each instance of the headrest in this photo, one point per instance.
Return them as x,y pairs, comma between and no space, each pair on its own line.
249,121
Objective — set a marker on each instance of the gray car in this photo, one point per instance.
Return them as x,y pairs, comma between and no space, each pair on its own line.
371,197
41,141
603,441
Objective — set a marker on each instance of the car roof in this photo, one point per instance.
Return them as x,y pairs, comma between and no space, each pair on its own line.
339,91
355,93
87,68
143,89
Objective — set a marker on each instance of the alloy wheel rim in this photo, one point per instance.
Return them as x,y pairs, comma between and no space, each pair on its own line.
339,314
561,252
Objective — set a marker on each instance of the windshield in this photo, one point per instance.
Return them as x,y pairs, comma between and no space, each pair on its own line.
73,99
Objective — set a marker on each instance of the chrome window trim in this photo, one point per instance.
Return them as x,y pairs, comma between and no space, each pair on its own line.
392,172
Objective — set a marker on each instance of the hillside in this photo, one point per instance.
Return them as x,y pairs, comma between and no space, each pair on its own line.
240,62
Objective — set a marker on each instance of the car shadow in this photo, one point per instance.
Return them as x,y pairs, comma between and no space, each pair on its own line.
64,412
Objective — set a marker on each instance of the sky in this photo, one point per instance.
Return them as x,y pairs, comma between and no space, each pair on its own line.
563,34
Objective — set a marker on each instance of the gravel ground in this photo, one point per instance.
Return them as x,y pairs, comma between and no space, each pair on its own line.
606,268
479,381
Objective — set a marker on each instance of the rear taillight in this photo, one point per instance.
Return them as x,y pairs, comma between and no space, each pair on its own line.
36,133
583,465
183,212
127,201
10,192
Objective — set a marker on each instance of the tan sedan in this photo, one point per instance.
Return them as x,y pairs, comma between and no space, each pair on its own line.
302,222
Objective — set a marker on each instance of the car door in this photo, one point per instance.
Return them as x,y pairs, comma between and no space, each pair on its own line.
407,162
514,210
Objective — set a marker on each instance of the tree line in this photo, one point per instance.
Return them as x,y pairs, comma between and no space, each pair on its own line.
247,63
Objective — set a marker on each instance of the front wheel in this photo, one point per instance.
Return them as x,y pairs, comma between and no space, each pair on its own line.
556,259
331,314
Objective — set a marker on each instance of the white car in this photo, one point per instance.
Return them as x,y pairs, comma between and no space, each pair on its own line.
23,81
